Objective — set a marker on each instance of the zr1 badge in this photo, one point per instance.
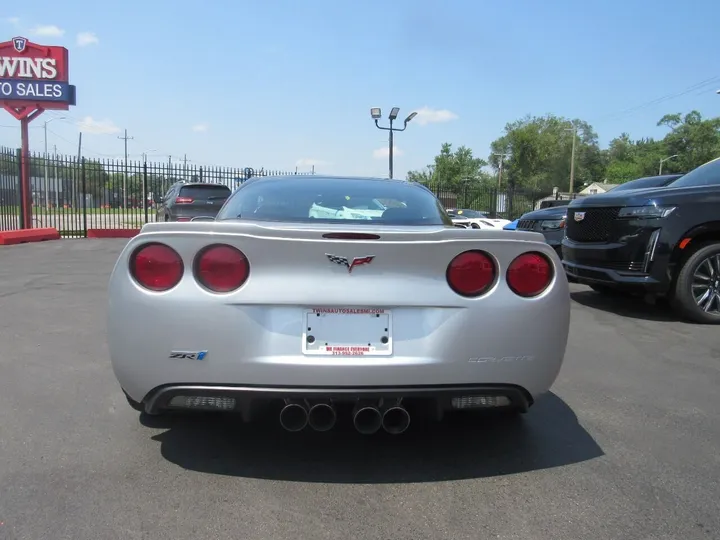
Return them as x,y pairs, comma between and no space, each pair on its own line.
188,355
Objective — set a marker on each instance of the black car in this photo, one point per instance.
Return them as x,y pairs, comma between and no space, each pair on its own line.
548,221
656,241
186,200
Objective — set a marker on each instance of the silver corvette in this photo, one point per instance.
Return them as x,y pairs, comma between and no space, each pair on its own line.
372,317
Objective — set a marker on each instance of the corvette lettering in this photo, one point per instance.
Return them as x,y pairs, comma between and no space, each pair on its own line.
188,355
350,263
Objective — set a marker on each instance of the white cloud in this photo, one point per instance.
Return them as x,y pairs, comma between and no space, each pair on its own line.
426,115
15,21
97,127
48,30
384,152
84,39
200,127
308,162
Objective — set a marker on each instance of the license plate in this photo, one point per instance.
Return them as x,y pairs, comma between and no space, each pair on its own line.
347,332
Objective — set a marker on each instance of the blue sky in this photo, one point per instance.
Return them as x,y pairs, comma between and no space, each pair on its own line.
285,83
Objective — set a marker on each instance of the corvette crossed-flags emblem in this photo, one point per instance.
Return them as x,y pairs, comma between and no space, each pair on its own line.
350,264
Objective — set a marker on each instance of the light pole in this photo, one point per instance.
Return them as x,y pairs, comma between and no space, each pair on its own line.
46,158
376,114
664,160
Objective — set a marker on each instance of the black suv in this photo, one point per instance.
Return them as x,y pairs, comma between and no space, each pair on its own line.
659,241
186,200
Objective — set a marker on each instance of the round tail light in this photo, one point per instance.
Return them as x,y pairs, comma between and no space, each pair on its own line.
156,267
471,273
529,274
221,268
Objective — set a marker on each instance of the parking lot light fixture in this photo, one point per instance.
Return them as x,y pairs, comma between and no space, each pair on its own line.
394,112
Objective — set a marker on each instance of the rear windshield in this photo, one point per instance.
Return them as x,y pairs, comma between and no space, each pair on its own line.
704,175
333,200
205,192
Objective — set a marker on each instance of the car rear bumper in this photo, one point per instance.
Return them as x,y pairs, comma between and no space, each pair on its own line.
248,400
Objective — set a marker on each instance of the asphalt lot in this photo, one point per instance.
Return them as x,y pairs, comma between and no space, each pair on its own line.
625,447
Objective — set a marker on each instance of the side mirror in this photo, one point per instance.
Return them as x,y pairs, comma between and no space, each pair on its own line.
203,218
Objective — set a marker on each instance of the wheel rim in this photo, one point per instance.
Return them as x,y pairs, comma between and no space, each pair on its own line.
706,285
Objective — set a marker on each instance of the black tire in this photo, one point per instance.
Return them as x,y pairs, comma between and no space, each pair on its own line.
683,299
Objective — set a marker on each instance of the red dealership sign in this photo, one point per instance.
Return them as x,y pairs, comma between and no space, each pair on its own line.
33,78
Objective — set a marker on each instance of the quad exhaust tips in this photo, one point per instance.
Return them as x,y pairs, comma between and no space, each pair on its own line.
396,419
368,418
322,416
296,415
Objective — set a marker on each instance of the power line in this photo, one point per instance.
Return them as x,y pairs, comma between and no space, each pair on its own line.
667,97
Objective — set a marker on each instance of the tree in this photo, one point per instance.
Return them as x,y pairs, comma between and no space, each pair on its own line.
452,169
694,140
627,159
537,152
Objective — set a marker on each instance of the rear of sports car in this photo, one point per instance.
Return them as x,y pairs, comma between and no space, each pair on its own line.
314,320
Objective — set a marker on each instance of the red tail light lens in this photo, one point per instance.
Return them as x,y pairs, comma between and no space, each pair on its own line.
156,267
183,200
221,268
471,273
529,274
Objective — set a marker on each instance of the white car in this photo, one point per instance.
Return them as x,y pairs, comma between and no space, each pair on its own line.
475,219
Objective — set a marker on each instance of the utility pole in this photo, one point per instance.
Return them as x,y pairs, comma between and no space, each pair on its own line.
126,139
572,159
499,199
500,169
46,155
185,162
55,176
73,186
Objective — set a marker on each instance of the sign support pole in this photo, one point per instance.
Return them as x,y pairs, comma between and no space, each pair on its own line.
25,186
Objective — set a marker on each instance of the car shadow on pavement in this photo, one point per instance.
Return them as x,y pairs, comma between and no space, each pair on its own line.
458,447
624,305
